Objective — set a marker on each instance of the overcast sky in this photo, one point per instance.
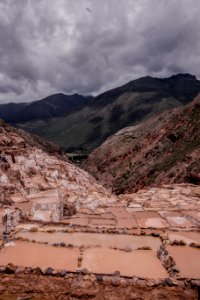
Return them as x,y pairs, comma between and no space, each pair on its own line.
89,46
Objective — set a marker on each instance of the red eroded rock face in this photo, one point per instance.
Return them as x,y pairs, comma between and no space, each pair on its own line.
165,149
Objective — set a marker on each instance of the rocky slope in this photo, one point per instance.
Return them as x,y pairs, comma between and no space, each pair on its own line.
86,123
26,170
164,149
34,140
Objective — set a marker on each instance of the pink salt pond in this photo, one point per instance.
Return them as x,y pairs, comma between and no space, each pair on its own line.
187,237
187,259
120,241
36,255
126,223
119,212
146,214
25,206
78,221
152,223
178,221
27,226
102,222
137,263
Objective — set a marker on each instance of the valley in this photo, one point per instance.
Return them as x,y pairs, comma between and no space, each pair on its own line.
79,123
65,235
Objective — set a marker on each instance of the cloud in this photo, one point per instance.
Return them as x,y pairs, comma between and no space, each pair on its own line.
89,46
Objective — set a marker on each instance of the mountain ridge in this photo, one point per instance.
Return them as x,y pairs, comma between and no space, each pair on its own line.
89,123
51,106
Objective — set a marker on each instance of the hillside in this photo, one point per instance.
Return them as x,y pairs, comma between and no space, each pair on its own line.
27,170
35,141
104,115
164,149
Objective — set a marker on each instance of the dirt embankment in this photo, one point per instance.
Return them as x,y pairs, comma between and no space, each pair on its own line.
92,287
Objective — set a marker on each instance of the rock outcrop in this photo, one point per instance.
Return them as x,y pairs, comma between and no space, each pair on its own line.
36,141
165,149
30,175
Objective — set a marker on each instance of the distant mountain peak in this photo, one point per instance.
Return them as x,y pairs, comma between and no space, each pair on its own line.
184,75
55,105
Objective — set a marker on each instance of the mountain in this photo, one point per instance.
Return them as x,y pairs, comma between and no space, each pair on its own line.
53,106
27,171
77,122
8,112
164,149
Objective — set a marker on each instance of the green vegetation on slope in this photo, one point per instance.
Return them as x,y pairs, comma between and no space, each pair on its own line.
130,104
163,149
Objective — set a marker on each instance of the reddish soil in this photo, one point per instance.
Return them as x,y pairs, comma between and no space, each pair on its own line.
165,149
89,287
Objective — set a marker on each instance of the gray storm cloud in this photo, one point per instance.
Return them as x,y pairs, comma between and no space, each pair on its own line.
88,46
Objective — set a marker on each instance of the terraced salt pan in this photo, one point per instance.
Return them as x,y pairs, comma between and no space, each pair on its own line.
167,213
152,223
52,228
27,226
25,206
187,260
40,215
102,222
146,214
121,241
126,223
141,263
194,213
119,212
178,221
78,221
37,255
187,237
47,195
